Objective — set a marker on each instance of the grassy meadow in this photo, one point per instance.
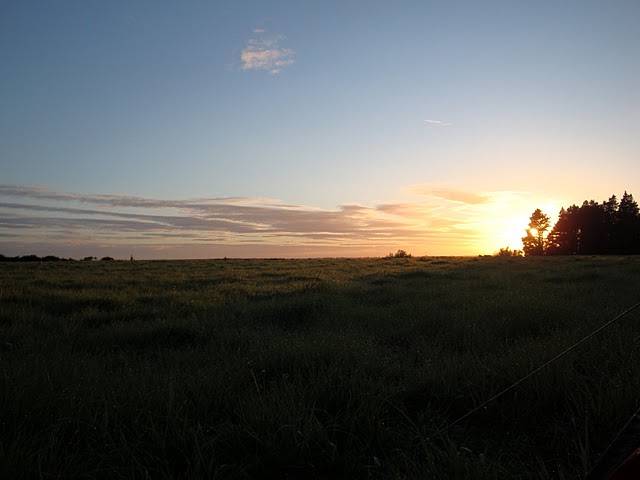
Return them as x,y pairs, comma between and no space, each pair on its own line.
321,368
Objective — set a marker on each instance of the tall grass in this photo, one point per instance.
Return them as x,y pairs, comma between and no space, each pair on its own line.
313,368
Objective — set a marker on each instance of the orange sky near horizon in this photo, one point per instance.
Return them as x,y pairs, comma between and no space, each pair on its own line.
302,129
428,220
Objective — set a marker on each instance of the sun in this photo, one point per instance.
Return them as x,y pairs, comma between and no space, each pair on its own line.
510,233
505,222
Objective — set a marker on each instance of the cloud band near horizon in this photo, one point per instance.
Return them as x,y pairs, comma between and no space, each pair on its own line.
36,215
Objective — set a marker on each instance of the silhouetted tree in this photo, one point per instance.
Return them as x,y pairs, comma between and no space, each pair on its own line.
533,243
627,231
610,209
591,228
609,228
563,238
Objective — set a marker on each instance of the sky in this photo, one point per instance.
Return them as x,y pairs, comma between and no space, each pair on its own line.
200,129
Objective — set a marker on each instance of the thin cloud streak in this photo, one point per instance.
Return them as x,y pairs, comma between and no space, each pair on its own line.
438,123
449,194
38,214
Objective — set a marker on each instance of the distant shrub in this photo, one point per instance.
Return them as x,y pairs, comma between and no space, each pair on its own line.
399,254
507,252
106,258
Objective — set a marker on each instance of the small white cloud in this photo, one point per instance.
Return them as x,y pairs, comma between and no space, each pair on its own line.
265,53
438,123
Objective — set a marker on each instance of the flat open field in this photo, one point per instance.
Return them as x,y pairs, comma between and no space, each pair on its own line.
314,368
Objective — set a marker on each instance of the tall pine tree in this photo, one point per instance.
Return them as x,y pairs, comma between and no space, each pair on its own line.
534,242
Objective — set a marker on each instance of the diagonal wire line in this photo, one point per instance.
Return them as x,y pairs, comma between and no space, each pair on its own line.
530,374
615,439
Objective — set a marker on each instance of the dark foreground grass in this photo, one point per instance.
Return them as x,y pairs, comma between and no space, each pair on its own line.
313,368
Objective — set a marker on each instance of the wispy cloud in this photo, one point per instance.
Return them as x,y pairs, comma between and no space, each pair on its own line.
450,194
263,218
31,215
437,123
263,52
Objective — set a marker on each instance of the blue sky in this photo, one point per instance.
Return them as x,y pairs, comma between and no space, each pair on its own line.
437,127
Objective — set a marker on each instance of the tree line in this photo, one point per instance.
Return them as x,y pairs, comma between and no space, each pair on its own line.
608,228
48,258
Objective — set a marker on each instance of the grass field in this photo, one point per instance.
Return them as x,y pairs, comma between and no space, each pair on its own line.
332,368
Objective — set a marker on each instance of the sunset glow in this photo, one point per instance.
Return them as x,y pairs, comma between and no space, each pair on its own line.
512,234
251,131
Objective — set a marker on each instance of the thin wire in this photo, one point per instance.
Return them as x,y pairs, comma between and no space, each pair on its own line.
512,386
615,439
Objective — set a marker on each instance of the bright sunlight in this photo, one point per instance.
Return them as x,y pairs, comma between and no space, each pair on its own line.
512,232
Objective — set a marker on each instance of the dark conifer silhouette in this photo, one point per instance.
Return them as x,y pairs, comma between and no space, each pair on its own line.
591,236
628,225
563,238
609,228
610,208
